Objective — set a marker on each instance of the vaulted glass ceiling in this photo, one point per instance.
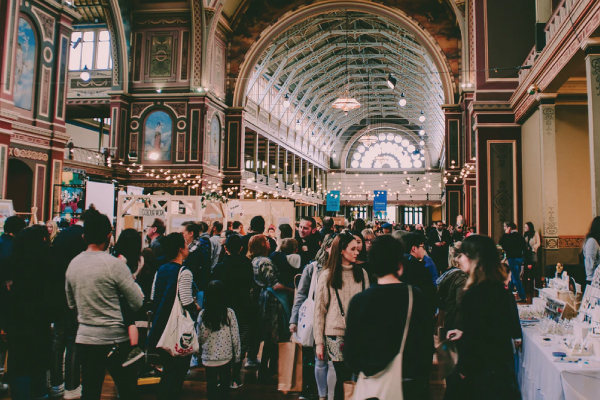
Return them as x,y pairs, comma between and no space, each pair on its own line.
315,61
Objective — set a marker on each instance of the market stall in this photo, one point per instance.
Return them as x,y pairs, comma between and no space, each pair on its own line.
561,343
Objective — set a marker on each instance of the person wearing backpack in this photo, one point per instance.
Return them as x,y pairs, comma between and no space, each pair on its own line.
306,285
219,337
341,280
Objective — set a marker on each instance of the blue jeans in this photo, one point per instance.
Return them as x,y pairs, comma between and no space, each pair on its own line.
515,265
321,370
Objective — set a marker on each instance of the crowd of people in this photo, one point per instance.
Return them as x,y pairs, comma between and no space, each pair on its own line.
71,299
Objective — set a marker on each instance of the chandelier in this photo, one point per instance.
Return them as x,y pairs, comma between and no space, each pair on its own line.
345,102
368,140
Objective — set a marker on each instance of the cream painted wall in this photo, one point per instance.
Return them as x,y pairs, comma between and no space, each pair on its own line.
532,186
574,182
85,137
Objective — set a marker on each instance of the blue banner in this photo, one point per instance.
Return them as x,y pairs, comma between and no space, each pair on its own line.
380,201
333,201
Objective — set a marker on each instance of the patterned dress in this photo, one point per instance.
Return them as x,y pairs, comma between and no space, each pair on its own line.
273,326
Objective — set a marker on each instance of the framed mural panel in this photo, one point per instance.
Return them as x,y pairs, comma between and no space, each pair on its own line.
158,129
502,182
25,65
214,146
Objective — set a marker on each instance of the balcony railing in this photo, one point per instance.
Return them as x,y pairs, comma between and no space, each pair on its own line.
526,67
560,16
85,156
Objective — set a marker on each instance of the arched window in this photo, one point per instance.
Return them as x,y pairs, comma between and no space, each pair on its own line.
158,130
25,66
387,150
214,146
91,49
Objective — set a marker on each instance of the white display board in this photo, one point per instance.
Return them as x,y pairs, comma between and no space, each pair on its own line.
102,196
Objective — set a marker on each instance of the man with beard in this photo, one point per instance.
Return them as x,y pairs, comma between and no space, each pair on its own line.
439,242
308,242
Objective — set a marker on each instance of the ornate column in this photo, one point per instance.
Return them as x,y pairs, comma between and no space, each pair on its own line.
277,162
285,167
549,170
300,173
592,64
119,114
267,169
255,154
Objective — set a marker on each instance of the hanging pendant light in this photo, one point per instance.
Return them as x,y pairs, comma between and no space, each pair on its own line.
286,101
422,116
402,101
85,74
345,102
368,140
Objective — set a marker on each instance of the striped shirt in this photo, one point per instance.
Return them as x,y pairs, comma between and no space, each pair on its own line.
185,287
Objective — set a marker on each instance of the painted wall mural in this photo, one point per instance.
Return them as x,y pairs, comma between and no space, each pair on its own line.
25,66
157,137
215,141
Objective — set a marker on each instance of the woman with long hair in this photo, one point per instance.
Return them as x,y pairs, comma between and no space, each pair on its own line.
52,227
321,366
274,308
489,321
340,281
530,257
172,280
219,337
368,236
362,259
591,250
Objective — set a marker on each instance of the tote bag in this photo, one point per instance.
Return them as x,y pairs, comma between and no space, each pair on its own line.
386,384
304,331
179,337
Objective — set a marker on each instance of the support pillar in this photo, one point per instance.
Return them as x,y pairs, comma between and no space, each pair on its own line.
234,148
549,170
255,154
300,173
277,162
285,167
267,169
592,65
119,106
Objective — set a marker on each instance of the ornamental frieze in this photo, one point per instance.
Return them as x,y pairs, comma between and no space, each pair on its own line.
30,154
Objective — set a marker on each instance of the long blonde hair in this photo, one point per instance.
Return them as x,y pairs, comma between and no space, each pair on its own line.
54,229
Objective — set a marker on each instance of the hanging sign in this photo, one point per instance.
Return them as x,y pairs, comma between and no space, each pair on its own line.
380,201
152,212
333,201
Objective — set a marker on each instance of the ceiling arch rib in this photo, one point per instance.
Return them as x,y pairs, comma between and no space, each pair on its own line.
314,61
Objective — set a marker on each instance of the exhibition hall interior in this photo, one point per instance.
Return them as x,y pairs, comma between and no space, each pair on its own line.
294,199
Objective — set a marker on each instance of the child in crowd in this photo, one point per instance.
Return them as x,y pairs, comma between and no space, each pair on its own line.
287,262
219,338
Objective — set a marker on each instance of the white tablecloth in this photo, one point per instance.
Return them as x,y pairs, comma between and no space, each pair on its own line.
543,379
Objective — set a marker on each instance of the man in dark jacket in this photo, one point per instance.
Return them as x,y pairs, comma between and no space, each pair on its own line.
237,274
257,227
327,227
309,242
439,242
514,245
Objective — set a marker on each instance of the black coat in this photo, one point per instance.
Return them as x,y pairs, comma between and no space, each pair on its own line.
308,248
237,274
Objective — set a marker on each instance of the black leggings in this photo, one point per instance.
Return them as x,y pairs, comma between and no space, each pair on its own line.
343,374
218,380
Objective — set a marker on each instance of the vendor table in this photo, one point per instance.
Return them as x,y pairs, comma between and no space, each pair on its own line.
543,379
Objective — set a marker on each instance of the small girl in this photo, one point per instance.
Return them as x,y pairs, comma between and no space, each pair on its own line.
219,338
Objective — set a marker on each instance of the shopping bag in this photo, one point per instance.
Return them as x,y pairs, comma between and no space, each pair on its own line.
447,357
290,367
304,330
179,337
349,390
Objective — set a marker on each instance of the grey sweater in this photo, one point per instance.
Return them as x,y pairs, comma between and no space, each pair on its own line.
94,282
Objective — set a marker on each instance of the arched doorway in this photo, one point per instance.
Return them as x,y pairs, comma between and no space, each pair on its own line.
19,185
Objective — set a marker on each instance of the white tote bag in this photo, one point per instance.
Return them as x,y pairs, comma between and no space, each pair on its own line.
304,332
386,384
179,337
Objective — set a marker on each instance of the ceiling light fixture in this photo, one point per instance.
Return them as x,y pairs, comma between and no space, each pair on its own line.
422,116
368,140
345,102
402,101
286,101
391,81
333,155
85,75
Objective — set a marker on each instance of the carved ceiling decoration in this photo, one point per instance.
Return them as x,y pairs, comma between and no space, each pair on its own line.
91,11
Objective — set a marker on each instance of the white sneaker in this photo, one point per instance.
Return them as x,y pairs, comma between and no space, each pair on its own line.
73,394
57,391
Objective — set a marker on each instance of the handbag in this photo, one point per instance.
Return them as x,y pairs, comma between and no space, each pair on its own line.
386,384
289,377
304,331
447,357
179,337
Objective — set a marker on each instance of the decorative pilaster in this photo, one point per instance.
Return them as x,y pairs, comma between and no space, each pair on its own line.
549,170
234,147
119,114
592,64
